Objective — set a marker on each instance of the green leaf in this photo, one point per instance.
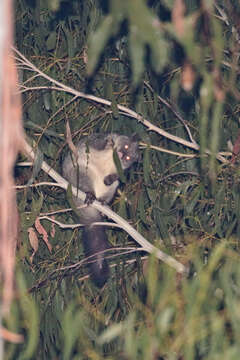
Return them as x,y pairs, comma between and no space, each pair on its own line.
118,166
195,196
159,53
141,208
72,324
97,42
51,41
162,226
111,333
137,51
114,108
37,165
31,319
147,166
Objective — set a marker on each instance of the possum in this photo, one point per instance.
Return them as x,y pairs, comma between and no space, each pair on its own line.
93,170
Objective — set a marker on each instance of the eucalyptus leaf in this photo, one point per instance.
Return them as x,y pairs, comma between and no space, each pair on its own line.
137,51
141,209
111,333
147,166
51,41
118,166
36,165
31,315
97,42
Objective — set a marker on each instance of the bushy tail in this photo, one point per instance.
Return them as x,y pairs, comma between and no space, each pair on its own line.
95,241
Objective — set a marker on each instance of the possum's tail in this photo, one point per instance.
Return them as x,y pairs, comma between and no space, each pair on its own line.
95,242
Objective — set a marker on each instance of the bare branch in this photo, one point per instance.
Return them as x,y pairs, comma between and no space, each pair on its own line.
74,226
158,148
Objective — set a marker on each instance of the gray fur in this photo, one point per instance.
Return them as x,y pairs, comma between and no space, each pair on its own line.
94,171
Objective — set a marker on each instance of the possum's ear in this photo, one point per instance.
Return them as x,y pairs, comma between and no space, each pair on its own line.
135,137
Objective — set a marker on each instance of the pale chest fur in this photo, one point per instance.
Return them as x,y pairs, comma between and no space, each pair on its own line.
97,165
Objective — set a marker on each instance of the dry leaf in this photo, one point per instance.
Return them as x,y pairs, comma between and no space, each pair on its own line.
43,232
178,16
52,231
218,86
10,336
85,55
33,239
187,76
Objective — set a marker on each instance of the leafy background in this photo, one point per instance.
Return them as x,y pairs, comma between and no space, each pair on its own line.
176,64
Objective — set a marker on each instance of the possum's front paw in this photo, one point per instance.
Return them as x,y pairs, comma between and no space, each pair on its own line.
110,179
90,197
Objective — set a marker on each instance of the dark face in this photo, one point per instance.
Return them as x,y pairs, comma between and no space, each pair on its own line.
127,150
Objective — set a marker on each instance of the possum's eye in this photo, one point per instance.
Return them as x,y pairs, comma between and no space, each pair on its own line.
128,157
126,147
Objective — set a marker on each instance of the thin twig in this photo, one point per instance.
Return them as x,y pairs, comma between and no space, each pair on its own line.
74,226
44,183
191,173
158,148
54,274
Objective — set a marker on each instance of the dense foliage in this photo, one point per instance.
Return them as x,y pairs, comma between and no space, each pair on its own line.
176,64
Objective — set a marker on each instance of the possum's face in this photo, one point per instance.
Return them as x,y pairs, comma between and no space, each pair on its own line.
127,150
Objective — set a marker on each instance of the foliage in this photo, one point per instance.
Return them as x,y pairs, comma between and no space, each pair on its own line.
178,68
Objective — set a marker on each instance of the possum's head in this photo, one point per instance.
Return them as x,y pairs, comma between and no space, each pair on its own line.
127,150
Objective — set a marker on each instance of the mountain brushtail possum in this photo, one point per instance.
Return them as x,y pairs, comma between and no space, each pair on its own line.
93,171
